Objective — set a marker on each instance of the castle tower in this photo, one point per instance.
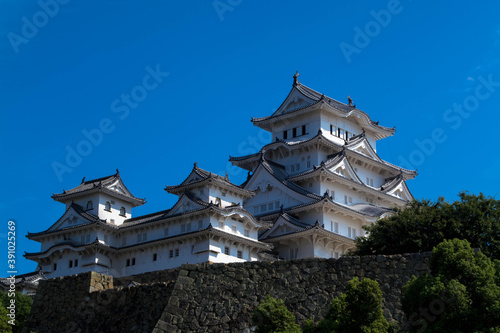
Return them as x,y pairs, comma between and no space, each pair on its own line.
321,179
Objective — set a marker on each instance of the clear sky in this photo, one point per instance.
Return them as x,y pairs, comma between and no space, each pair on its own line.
158,85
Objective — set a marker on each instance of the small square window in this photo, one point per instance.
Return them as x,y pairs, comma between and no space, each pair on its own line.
226,250
247,233
171,254
240,254
176,252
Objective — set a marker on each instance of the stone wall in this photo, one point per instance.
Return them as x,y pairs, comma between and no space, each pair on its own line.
213,297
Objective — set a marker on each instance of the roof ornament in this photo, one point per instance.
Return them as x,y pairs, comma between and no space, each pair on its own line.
83,180
226,175
249,174
320,132
195,164
296,78
322,97
316,224
349,101
325,195
277,139
117,171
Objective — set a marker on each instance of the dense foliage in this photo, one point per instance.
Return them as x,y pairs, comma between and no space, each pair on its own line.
23,307
424,224
462,294
272,316
359,309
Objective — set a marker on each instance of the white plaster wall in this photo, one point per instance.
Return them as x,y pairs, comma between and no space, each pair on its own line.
115,209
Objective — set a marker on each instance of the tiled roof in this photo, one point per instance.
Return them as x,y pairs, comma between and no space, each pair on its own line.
70,243
321,138
278,171
319,97
98,185
93,219
205,176
30,277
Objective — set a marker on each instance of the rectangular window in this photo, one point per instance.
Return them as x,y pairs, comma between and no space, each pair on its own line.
332,194
347,135
155,256
139,238
221,225
333,130
297,167
240,254
304,130
341,133
256,210
124,241
76,262
188,227
270,206
87,238
292,168
336,227
128,262
247,233
165,232
133,261
263,208
294,132
285,135
176,252
55,267
183,227
226,250
347,200
171,254
233,228
277,205
70,263
200,224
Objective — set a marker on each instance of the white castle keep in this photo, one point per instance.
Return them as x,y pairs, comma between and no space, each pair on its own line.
307,195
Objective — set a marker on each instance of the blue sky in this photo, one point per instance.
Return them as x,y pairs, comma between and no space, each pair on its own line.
168,83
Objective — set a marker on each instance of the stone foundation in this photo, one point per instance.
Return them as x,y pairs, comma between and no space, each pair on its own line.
212,297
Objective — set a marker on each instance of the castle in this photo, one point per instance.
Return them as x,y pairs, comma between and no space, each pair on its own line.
308,194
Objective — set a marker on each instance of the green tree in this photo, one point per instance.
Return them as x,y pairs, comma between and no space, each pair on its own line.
272,316
23,308
462,293
421,225
5,327
358,310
